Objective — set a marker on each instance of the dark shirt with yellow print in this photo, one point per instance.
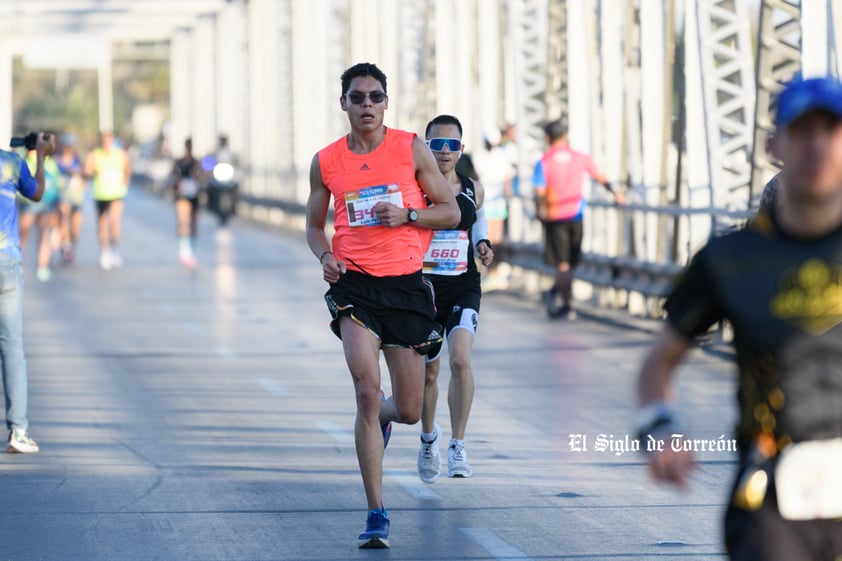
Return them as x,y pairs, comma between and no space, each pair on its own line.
783,297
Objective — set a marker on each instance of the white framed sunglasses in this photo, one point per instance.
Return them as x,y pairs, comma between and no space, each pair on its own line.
438,144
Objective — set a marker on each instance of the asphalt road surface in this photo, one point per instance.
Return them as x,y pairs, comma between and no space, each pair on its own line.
208,415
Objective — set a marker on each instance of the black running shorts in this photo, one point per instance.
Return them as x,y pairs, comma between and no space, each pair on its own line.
104,206
563,242
454,294
457,304
397,310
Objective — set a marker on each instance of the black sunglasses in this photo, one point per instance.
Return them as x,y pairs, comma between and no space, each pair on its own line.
358,97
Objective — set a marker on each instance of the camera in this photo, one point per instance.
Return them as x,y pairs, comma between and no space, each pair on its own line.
30,140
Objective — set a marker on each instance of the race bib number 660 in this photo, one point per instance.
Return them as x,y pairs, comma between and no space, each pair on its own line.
360,204
448,253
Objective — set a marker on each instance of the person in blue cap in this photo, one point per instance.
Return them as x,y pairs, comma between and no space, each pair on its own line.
778,282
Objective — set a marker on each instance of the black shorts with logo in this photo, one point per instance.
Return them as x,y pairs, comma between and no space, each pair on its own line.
454,294
397,310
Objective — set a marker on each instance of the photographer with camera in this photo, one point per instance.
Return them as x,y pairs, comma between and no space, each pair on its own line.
15,178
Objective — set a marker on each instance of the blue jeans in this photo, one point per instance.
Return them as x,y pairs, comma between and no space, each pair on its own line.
12,361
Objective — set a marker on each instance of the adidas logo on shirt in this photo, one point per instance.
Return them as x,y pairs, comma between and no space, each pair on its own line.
364,167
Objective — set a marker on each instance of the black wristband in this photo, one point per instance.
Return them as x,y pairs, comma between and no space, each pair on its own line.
654,419
322,256
658,426
487,242
608,186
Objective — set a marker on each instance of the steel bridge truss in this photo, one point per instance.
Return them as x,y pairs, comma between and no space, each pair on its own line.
728,98
778,59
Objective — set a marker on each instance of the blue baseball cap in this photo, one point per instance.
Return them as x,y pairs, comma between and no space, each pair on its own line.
802,95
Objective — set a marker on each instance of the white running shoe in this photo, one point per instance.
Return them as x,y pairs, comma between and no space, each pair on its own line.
44,274
20,443
105,261
429,458
116,260
457,462
188,261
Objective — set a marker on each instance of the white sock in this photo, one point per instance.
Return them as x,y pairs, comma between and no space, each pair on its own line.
428,437
456,443
185,247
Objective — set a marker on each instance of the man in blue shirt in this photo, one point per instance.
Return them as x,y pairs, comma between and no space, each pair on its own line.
16,177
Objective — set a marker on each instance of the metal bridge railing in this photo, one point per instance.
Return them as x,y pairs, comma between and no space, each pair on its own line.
632,252
617,267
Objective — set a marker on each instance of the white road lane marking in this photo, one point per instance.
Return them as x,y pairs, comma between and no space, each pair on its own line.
272,386
414,486
409,482
225,352
494,544
336,433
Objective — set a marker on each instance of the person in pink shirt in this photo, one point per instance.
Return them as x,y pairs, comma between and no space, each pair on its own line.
558,182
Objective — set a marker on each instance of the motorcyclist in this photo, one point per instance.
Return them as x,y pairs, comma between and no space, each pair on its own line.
223,181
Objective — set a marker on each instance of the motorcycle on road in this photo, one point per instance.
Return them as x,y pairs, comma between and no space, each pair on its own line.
223,187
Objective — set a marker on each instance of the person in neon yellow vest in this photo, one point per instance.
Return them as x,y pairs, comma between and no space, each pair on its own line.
109,169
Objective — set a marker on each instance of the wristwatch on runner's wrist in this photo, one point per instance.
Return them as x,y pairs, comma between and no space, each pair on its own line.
412,215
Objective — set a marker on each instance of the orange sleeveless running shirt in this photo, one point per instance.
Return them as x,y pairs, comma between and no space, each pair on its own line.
357,182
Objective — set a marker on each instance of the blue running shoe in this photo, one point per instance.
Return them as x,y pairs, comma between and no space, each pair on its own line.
387,433
376,535
386,428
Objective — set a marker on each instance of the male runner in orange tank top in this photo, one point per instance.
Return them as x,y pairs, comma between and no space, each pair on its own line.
378,177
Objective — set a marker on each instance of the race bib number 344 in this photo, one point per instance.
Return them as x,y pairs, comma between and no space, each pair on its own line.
360,204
